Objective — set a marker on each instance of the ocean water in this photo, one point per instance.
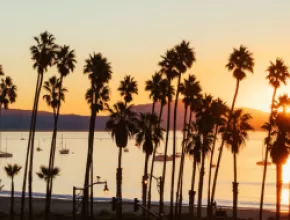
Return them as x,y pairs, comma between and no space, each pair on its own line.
72,168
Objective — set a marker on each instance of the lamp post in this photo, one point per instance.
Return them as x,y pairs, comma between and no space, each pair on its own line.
159,188
106,190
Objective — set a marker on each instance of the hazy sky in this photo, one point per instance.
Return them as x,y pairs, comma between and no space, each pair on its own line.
133,34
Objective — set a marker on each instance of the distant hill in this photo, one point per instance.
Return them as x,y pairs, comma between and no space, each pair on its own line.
19,120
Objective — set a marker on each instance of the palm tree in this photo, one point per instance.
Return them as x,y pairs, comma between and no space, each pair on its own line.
46,174
8,92
219,110
205,125
1,70
240,62
277,75
65,63
165,91
190,90
122,125
127,88
43,54
99,72
193,148
11,171
168,69
279,151
235,137
149,135
54,97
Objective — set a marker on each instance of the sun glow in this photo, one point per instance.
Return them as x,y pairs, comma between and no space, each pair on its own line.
286,172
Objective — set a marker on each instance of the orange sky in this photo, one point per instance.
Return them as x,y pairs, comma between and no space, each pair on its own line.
133,35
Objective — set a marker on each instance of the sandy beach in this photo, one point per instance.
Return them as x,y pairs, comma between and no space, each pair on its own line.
64,207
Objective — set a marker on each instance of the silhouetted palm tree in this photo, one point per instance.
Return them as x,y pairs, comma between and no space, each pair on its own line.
46,174
219,110
122,125
54,97
235,137
11,171
99,72
149,134
127,88
8,92
193,148
168,69
240,62
43,55
277,75
190,89
205,125
65,63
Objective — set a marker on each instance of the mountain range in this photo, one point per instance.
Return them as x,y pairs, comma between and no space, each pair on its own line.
19,120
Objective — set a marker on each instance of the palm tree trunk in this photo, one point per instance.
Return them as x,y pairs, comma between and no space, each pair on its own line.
144,183
266,160
235,188
200,185
178,196
12,198
209,206
119,185
278,189
92,187
181,185
191,191
222,144
171,214
30,173
32,123
153,162
89,160
161,206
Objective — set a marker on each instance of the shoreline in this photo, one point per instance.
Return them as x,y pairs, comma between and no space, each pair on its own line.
65,207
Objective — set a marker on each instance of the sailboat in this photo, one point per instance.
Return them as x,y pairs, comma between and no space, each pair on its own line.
5,154
22,138
263,162
63,150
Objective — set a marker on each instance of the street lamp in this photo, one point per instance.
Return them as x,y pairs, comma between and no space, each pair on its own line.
106,189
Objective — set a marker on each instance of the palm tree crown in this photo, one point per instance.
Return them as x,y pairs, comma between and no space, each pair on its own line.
127,88
153,86
55,94
8,92
240,61
12,170
277,73
43,53
65,60
46,173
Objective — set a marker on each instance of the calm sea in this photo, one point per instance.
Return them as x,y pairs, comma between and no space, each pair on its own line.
105,162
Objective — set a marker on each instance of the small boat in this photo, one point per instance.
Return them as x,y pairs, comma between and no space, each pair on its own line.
22,138
63,150
5,154
263,162
126,150
213,166
38,148
160,158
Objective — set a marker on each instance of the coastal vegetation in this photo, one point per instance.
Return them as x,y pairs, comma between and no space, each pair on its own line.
207,122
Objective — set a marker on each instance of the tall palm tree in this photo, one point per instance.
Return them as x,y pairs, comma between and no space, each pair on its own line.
99,72
205,125
65,63
165,91
240,62
11,171
219,110
122,125
54,97
127,88
149,134
277,75
168,69
190,89
43,55
235,137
